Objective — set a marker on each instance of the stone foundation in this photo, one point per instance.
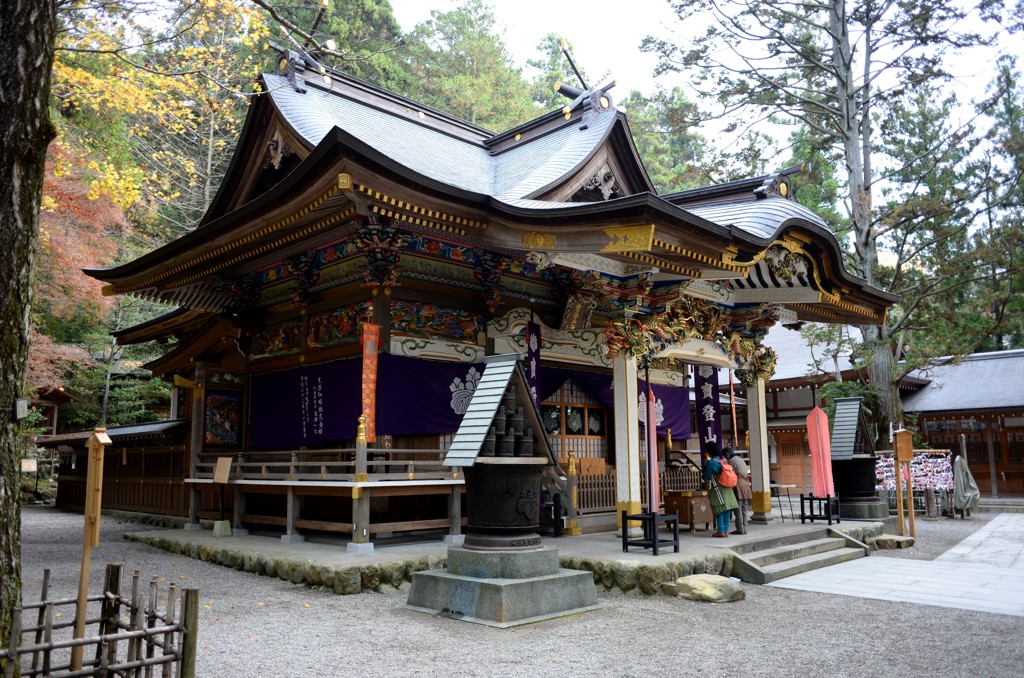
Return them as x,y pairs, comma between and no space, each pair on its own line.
631,577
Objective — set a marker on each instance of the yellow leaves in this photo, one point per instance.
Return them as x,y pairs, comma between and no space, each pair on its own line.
121,185
48,204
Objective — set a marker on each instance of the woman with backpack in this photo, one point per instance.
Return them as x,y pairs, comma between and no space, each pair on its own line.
722,479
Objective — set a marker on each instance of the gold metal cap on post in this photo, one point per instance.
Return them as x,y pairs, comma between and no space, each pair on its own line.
361,476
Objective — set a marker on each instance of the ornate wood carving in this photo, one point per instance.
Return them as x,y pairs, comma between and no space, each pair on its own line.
382,245
579,309
488,273
304,269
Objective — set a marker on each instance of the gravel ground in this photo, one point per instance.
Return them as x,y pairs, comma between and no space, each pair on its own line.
254,626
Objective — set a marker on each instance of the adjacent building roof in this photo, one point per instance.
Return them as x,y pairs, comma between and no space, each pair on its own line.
978,382
158,430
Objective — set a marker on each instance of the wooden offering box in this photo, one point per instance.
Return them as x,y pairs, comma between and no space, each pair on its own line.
693,506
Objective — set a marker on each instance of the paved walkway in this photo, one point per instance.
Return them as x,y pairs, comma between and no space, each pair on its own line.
984,572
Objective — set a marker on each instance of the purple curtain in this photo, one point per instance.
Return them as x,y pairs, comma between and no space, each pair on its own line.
423,397
310,405
320,404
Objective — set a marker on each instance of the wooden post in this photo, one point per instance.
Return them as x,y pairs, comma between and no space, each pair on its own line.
196,443
361,469
360,498
455,511
91,532
40,616
573,527
110,610
903,454
190,635
993,474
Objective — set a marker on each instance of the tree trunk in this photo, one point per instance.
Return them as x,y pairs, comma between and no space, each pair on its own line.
26,58
881,371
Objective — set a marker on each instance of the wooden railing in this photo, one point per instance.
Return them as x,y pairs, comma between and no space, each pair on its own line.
597,492
337,465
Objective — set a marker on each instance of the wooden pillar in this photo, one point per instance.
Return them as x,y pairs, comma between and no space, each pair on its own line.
195,445
455,515
291,535
237,512
992,462
627,437
757,422
360,496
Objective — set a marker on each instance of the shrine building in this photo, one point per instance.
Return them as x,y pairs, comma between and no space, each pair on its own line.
364,255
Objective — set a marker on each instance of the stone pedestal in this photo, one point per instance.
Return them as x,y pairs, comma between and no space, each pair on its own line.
502,588
222,528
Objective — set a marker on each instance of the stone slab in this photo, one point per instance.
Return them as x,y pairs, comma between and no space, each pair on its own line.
863,510
502,564
353,547
502,603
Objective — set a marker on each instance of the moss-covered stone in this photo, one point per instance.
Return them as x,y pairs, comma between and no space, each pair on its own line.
624,574
712,564
397,574
348,581
650,577
371,577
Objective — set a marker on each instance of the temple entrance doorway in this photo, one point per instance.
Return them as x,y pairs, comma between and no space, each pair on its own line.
575,421
794,460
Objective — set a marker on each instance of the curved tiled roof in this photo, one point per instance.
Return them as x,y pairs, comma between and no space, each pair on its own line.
453,161
979,381
760,218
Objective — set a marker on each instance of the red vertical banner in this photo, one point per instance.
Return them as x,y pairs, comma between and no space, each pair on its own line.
371,342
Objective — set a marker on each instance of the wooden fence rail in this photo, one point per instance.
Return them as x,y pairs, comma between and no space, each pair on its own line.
597,491
133,636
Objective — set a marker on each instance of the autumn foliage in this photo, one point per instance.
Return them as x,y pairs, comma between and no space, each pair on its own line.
79,221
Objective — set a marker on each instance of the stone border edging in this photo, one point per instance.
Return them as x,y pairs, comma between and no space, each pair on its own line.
629,577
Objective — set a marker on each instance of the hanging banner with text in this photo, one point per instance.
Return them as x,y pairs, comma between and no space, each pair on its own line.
709,415
533,342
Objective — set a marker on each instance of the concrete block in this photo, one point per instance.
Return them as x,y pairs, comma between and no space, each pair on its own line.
502,602
222,528
359,548
502,564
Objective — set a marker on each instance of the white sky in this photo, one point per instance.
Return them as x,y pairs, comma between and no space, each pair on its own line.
605,34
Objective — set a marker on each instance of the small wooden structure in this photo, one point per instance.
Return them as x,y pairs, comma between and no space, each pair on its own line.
133,633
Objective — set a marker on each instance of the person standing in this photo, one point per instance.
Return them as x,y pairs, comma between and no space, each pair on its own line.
723,499
744,490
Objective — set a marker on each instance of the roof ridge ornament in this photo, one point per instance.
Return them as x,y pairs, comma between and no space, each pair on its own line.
598,97
778,184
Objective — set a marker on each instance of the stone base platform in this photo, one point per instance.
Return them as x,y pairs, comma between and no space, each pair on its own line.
502,588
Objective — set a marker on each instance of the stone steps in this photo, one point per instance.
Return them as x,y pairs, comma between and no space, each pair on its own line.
773,559
790,552
815,561
1001,505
